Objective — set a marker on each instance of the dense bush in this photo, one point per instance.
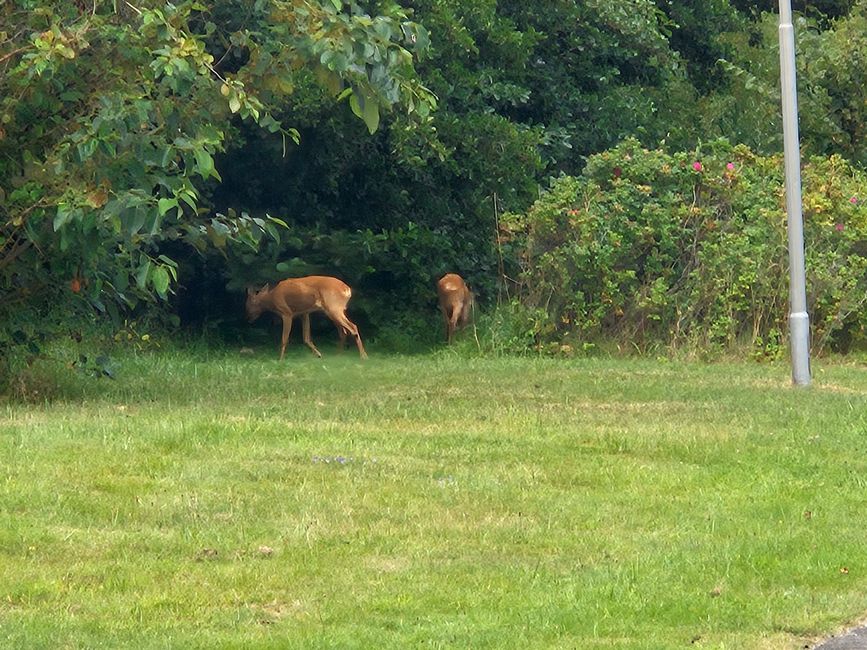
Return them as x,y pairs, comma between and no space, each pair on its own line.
647,248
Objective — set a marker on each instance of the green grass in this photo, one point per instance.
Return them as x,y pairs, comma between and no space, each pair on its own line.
435,501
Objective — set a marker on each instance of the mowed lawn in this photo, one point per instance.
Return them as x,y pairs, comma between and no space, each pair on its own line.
223,501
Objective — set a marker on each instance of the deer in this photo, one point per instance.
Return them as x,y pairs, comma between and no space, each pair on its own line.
456,303
301,297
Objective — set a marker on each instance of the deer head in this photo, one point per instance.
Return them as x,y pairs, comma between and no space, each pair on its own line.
254,304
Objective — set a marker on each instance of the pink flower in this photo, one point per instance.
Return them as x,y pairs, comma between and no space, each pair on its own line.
839,227
853,200
617,172
697,166
730,166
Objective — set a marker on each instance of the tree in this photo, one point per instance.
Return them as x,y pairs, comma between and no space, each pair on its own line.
112,114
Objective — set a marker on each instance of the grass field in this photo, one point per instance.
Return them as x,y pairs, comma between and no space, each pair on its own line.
220,501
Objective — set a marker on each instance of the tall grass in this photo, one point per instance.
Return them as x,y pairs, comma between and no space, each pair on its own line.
213,500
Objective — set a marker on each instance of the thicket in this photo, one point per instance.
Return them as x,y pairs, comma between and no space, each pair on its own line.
689,250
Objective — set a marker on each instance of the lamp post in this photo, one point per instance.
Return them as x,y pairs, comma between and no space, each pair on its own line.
799,320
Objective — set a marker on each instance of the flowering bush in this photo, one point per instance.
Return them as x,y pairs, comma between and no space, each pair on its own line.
650,248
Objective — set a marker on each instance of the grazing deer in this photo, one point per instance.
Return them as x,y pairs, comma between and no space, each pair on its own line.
456,303
301,297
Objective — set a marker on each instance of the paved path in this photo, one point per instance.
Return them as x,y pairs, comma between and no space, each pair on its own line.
852,640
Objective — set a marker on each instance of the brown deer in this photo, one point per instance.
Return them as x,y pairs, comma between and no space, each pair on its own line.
301,297
456,303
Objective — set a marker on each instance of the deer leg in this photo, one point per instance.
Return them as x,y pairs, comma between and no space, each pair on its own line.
341,332
466,313
446,323
305,328
342,321
453,323
287,328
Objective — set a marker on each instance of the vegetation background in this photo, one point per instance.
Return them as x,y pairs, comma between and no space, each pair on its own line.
606,175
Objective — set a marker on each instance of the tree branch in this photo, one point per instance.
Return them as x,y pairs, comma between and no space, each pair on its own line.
12,53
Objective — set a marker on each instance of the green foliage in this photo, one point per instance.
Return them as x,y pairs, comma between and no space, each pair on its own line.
512,328
584,73
111,120
167,154
838,82
817,9
517,88
53,350
523,93
745,105
649,248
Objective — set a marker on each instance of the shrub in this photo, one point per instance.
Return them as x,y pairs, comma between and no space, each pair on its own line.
648,248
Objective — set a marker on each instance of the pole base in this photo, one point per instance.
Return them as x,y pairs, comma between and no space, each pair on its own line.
799,326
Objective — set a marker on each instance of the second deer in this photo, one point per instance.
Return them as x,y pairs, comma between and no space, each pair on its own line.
301,297
456,303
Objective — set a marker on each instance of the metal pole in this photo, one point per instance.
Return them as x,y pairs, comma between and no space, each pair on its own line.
799,320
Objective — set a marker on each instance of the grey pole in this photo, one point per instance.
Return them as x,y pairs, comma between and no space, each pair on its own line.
799,320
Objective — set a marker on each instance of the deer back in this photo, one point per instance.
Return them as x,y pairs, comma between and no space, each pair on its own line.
454,295
312,293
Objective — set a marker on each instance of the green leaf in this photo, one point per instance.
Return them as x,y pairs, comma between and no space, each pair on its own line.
382,26
188,197
64,239
86,149
155,221
168,155
356,104
234,104
269,123
371,117
364,105
160,278
141,276
135,223
164,205
205,164
64,214
278,221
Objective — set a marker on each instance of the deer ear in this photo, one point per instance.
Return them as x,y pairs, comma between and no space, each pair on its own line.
249,291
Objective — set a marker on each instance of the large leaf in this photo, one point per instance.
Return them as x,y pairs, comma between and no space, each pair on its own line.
364,105
64,214
141,276
205,164
160,278
165,205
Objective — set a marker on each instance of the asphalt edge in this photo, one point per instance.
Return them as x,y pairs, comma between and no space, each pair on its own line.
849,638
